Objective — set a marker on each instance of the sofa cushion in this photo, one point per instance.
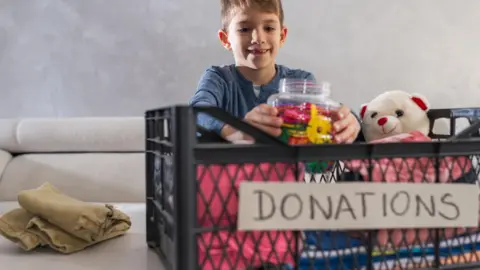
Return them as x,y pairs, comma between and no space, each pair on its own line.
82,134
102,177
126,252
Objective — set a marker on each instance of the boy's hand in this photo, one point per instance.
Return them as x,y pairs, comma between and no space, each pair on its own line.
265,117
346,126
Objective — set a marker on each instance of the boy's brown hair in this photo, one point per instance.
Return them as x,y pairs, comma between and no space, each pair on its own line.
229,7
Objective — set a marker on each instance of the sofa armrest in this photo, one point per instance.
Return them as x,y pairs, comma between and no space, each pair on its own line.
5,158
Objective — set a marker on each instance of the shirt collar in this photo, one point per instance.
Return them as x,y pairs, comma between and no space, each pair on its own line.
272,86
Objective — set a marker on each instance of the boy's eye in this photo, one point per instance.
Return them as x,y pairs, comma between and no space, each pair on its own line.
243,30
269,28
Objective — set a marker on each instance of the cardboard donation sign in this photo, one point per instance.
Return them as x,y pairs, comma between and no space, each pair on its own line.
302,206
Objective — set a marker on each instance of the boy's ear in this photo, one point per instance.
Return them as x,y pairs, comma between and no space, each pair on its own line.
283,35
223,37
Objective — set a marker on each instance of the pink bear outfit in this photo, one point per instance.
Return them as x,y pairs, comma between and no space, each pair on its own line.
222,182
412,170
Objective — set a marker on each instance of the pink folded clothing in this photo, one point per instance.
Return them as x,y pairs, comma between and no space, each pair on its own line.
412,169
217,206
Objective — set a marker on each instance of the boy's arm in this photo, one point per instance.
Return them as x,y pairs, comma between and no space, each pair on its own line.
210,91
360,137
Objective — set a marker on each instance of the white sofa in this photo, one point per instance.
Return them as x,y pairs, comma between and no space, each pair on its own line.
91,159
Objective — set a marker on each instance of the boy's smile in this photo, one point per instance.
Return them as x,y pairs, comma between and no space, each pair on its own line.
258,51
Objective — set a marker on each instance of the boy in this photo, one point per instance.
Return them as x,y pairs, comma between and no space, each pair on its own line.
253,31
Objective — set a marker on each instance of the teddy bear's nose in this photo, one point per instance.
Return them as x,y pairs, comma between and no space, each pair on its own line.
382,121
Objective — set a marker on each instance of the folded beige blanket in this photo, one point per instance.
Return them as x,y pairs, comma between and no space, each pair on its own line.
48,217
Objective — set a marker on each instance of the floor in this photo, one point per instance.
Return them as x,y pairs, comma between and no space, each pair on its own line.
124,253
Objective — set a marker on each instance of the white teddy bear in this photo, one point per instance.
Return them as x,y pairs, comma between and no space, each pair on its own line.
397,116
394,112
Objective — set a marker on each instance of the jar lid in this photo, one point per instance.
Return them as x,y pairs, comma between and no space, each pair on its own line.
304,86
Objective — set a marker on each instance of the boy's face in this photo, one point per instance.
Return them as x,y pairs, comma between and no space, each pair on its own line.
254,37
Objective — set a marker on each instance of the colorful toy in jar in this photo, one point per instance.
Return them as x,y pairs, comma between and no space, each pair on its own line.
307,124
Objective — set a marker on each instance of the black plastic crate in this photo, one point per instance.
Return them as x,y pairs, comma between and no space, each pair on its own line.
180,157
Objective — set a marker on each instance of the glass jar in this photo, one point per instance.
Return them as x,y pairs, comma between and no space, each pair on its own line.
306,109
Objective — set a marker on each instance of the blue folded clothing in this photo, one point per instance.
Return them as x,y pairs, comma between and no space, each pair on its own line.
339,250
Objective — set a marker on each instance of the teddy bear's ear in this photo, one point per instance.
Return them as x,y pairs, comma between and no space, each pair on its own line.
363,109
421,101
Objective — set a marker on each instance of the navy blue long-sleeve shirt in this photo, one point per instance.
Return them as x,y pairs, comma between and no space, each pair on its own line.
225,87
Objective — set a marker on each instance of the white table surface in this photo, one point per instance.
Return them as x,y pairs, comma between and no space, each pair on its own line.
124,253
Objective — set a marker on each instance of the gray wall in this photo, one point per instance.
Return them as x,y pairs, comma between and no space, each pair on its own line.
120,57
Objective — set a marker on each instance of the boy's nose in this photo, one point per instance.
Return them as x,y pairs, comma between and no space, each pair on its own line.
257,36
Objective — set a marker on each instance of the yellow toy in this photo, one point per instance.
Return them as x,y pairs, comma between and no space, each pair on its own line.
319,127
